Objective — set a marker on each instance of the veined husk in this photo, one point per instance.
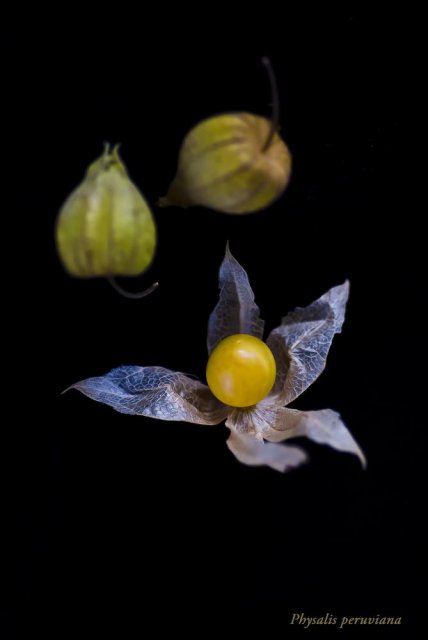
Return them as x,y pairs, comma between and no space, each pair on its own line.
300,346
223,165
105,227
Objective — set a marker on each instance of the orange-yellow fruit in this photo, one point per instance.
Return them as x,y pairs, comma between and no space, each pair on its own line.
241,370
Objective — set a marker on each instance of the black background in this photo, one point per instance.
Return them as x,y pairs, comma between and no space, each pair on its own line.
124,522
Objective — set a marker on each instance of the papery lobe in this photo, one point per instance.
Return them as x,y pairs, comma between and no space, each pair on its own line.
301,343
236,311
155,392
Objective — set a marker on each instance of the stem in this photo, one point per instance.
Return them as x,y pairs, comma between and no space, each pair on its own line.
274,121
128,294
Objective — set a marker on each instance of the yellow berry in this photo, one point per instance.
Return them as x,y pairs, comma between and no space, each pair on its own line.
241,370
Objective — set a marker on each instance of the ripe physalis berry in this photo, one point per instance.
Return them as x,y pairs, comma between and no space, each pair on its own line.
241,370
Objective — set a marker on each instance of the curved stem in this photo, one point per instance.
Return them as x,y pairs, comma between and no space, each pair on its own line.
275,103
128,294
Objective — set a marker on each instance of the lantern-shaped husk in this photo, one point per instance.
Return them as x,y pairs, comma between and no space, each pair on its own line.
105,227
233,163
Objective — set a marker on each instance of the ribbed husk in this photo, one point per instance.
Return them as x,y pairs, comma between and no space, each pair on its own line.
105,227
224,165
